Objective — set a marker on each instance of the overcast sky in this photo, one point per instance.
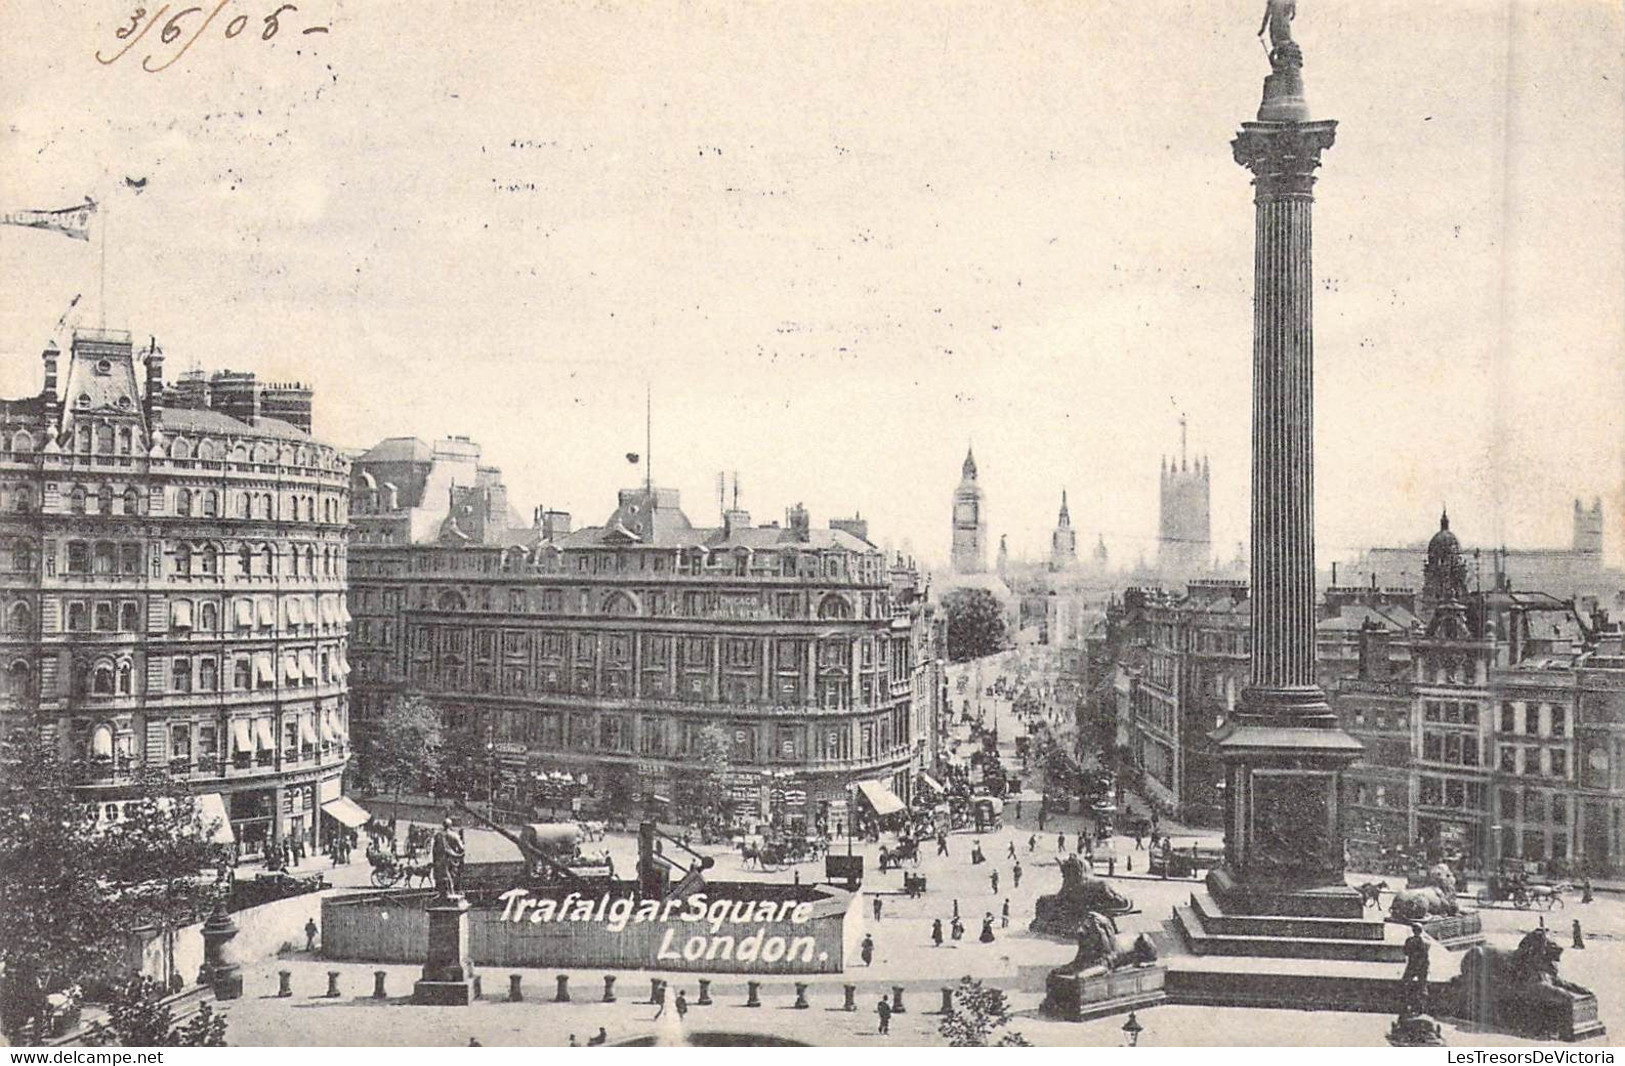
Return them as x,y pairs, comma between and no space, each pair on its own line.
841,240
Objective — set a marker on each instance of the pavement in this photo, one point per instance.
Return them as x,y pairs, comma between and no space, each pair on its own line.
1017,961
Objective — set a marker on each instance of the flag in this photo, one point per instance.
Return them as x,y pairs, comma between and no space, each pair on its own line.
70,221
633,457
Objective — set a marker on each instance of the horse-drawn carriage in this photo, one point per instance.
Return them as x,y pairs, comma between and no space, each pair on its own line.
772,852
1519,891
907,850
390,869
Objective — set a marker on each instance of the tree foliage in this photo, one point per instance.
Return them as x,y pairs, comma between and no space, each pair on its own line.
75,884
137,1016
976,624
704,792
979,1013
399,754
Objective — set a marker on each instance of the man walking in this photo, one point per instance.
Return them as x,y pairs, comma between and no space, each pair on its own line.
936,932
883,1008
1032,842
1416,959
942,843
877,908
1004,916
310,935
1060,841
867,949
1016,873
994,877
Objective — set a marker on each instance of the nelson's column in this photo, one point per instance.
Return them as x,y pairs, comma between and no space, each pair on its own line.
1282,750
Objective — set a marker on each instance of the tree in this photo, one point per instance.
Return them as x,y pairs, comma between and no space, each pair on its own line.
978,1013
137,1016
976,624
398,755
705,791
74,884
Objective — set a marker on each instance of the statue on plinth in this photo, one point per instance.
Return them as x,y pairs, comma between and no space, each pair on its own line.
447,856
1283,89
1434,897
1278,16
1100,953
1521,990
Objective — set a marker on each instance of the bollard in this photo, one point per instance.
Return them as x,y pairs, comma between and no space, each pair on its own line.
947,1000
563,994
656,987
705,993
753,990
378,977
897,1000
851,998
516,992
801,995
284,983
609,988
479,992
332,984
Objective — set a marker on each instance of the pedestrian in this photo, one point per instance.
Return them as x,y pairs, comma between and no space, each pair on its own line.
936,932
1138,846
1131,864
867,949
957,929
310,934
573,1041
1585,889
987,928
681,1004
1018,809
660,1000
1111,865
1416,958
1082,837
599,1040
877,908
942,843
1041,813
1060,841
1032,842
1016,873
1004,916
1579,937
1010,850
956,908
994,878
883,1008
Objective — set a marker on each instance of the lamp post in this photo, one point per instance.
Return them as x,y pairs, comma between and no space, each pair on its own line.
1132,1030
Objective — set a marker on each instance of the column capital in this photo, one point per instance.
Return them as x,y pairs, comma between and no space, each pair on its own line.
1283,156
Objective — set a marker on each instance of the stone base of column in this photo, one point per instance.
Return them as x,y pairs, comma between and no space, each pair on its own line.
448,972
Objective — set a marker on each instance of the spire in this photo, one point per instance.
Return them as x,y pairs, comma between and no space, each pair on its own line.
969,470
1066,517
1444,517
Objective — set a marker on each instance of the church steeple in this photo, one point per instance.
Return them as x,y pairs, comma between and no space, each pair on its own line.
1063,543
969,469
1065,521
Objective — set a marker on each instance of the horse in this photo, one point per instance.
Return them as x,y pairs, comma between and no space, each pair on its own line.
1548,896
1371,893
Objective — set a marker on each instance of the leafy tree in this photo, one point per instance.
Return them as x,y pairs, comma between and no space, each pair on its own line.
704,792
978,1013
73,886
976,624
461,765
399,754
139,1017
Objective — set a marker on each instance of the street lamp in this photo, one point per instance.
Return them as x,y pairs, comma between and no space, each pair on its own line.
1132,1030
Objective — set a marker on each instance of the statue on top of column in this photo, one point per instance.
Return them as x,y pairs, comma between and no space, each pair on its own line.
1284,51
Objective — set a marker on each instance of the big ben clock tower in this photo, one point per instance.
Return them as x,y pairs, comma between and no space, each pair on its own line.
970,522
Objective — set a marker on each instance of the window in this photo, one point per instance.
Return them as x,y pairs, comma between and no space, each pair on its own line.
240,673
132,501
183,560
211,559
208,617
101,680
181,675
1560,723
76,500
208,675
183,499
77,618
129,618
104,498
125,678
1560,762
78,557
129,559
104,617
1531,720
180,742
1509,717
105,559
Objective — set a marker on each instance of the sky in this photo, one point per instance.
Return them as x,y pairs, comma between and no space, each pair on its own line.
839,242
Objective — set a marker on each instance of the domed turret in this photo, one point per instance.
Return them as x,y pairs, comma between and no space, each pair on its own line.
1444,577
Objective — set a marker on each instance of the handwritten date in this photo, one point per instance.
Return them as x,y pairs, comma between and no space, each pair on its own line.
184,27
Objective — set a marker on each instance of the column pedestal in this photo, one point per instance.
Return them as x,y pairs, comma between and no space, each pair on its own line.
448,973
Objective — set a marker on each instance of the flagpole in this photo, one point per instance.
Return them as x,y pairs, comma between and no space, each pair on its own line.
648,439
101,274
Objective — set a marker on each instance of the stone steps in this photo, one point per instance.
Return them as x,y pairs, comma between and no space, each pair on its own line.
1217,922
1199,939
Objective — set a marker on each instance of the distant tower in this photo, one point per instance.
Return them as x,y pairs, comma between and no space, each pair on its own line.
1588,528
1102,559
1063,543
1003,563
1185,531
970,522
1444,575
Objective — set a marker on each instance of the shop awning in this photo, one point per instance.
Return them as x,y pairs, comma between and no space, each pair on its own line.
881,799
325,609
263,735
344,612
307,664
291,606
101,743
264,672
211,814
307,730
181,614
290,669
267,612
242,736
328,736
932,783
347,812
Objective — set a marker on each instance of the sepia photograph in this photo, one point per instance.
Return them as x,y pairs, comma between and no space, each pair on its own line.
854,523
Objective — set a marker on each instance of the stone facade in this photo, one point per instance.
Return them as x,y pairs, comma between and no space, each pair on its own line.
606,651
174,594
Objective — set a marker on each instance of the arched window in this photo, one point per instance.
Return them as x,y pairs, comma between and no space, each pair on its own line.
183,502
262,506
207,451
619,603
245,556
82,434
264,453
310,561
101,680
181,449
104,440
183,560
125,678
211,559
76,500
211,504
20,679
104,500
23,501
20,619
104,617
268,558
129,617
101,743
129,558
105,557
239,453
126,439
76,618
132,501
834,607
450,601
208,617
23,442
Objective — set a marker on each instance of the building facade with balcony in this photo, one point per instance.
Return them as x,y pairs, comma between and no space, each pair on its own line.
607,652
172,586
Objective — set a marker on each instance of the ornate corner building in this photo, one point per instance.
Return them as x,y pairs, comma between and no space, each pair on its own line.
605,652
172,586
